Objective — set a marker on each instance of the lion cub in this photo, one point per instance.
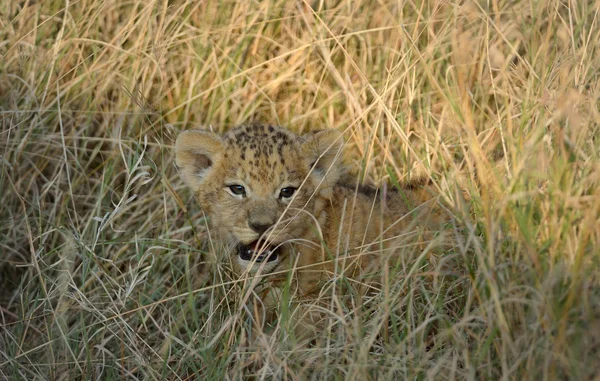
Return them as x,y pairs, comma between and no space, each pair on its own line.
275,198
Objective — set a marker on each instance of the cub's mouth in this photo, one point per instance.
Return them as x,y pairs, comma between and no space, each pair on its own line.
252,252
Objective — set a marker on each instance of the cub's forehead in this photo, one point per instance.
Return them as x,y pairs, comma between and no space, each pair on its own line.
260,137
263,153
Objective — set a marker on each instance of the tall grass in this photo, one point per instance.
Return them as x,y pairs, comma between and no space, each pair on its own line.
103,269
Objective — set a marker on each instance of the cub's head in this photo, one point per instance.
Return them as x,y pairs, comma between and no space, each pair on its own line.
259,185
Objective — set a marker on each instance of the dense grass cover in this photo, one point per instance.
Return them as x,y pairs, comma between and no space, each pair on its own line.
103,251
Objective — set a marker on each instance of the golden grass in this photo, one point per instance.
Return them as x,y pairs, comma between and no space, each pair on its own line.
102,275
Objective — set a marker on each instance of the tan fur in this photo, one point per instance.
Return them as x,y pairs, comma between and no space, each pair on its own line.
325,230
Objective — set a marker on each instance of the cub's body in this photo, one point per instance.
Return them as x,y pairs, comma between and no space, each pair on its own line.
275,200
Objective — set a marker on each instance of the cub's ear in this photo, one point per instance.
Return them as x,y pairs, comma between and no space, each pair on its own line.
323,150
195,154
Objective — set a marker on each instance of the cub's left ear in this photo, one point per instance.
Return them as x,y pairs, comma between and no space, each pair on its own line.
323,150
196,151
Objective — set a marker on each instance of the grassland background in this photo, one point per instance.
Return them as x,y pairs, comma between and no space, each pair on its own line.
101,244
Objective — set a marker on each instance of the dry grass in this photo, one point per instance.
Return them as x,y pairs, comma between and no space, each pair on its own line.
101,266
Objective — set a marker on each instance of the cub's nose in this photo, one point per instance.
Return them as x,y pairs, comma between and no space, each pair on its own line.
262,216
260,227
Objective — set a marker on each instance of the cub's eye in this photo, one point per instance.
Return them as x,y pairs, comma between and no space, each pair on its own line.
237,190
287,192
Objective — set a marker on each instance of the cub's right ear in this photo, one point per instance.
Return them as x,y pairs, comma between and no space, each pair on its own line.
195,154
